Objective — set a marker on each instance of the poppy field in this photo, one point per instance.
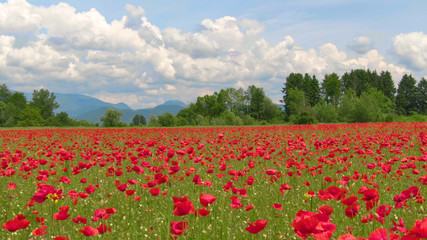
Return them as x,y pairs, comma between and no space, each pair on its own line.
342,181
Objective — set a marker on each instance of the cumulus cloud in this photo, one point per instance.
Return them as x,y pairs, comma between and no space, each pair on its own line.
412,49
360,45
17,16
132,60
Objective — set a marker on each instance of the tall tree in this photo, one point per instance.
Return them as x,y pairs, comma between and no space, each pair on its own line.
5,93
45,101
406,100
256,101
331,89
293,82
111,118
139,120
387,85
422,96
166,119
311,89
295,101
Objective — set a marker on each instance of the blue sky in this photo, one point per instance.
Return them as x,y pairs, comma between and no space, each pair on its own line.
145,52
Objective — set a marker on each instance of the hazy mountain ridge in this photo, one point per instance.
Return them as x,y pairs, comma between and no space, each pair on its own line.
82,107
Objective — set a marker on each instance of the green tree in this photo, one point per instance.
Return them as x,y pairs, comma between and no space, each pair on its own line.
111,118
406,99
331,89
62,119
256,101
295,101
5,93
326,113
153,121
422,96
387,85
311,89
166,119
45,101
139,120
371,106
30,117
293,82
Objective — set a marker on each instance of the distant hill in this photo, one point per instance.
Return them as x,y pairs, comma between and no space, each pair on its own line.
83,107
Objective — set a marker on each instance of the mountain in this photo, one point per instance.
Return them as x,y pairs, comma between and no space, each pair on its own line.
76,104
83,107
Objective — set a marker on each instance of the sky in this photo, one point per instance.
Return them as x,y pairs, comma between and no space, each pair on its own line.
143,53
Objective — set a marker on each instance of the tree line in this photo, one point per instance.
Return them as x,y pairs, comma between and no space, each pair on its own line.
356,96
15,110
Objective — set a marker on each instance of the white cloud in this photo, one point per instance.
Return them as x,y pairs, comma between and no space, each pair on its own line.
17,16
133,61
361,45
412,49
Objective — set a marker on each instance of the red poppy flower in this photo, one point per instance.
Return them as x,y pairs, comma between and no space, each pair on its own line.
249,207
154,191
18,223
352,210
90,189
313,224
257,226
46,191
182,206
89,231
177,228
381,234
130,192
371,196
418,230
250,180
202,212
347,237
63,213
103,229
236,202
326,209
61,238
349,201
79,219
122,187
64,179
399,226
206,199
39,231
278,206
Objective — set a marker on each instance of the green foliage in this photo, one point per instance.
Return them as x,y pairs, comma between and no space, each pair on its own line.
230,106
303,118
139,120
153,121
311,89
180,121
248,120
61,120
406,100
295,101
331,89
422,96
166,119
111,118
371,106
45,101
30,117
326,113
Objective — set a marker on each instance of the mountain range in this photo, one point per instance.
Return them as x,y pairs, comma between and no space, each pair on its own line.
82,107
